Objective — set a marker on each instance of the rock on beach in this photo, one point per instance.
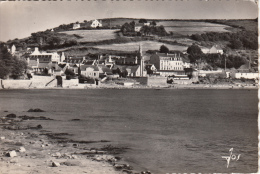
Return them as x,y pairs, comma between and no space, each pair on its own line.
11,154
55,164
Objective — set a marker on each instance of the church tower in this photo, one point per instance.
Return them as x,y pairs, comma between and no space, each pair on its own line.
140,60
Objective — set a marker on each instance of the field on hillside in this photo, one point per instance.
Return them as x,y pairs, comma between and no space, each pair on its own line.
134,46
189,27
92,35
250,25
179,27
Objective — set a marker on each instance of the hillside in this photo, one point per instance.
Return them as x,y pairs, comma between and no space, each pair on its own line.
178,36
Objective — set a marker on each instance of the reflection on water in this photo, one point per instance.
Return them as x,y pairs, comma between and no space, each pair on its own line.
167,130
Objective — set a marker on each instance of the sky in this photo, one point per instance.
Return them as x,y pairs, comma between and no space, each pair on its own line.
18,19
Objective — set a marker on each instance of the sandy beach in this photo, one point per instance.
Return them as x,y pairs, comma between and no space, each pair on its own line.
23,84
27,148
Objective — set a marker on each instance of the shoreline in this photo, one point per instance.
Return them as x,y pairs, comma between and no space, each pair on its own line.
73,84
172,87
26,148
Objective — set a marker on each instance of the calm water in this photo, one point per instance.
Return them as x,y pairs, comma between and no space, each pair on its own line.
167,130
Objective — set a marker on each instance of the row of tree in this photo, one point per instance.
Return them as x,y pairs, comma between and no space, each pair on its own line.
129,29
242,39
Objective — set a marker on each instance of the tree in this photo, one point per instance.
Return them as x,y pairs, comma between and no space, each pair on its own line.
132,24
194,50
235,44
69,72
123,74
142,21
161,30
195,53
10,65
146,30
153,23
18,68
164,49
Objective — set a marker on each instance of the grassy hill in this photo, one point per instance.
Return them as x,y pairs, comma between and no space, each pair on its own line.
64,38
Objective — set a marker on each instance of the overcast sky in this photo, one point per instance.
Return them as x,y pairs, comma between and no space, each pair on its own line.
19,19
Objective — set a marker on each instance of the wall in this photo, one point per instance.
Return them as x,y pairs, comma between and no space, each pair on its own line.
69,83
157,81
184,81
35,82
21,84
141,80
209,72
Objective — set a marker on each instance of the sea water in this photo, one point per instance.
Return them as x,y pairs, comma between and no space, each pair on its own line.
166,131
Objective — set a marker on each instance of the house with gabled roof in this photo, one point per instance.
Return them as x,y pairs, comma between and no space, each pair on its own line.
95,23
89,71
132,71
216,49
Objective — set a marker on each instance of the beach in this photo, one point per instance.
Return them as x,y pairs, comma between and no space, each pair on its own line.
31,149
73,84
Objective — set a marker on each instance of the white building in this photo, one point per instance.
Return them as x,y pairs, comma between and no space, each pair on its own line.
13,49
168,64
164,61
96,24
215,49
39,61
247,75
76,26
53,57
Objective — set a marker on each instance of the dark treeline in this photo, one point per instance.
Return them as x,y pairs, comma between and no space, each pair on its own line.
214,61
242,39
44,40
